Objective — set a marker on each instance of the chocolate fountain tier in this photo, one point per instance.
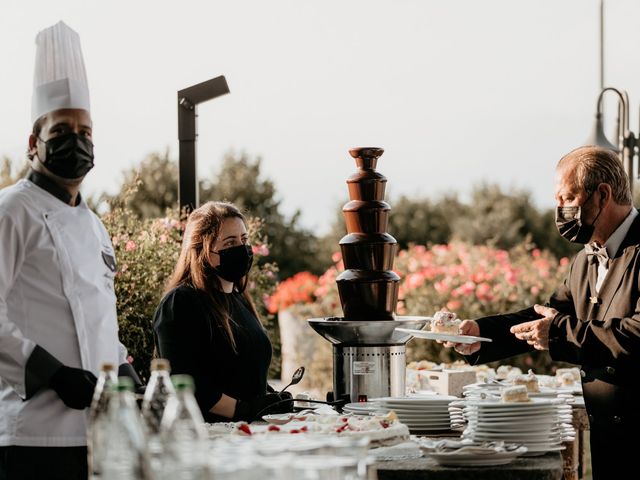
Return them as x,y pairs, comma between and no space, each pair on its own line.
366,216
368,295
366,185
366,157
372,332
368,251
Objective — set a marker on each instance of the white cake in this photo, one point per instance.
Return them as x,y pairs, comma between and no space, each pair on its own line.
564,375
515,394
507,372
446,322
380,430
530,381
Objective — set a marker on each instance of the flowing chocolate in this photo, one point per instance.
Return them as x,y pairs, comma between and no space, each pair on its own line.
368,287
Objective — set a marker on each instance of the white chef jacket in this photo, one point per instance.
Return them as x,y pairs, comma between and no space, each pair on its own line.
56,291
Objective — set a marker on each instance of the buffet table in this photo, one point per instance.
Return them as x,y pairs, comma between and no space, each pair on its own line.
545,467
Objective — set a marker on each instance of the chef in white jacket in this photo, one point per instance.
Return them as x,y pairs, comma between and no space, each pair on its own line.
57,303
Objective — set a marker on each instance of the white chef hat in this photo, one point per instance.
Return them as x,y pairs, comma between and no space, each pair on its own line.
60,79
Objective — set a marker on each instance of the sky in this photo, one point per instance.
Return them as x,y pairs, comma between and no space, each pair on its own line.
457,92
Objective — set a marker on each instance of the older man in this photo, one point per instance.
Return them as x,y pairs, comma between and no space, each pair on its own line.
593,319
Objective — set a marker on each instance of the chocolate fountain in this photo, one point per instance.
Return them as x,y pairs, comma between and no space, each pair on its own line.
368,353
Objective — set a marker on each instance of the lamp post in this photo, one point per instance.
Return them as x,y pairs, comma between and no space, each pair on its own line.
188,99
628,143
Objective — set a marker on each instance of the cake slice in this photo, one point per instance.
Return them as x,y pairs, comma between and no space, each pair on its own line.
446,322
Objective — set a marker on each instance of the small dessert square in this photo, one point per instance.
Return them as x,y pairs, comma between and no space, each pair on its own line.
530,381
515,394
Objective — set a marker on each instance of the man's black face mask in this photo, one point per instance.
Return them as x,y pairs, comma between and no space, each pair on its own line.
69,156
571,225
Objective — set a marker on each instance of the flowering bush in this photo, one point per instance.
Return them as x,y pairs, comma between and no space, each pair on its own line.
298,289
473,281
147,252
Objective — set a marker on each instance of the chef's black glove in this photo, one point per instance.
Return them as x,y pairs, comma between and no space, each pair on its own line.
250,410
127,370
74,386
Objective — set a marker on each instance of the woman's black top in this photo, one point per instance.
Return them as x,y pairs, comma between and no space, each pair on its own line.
187,335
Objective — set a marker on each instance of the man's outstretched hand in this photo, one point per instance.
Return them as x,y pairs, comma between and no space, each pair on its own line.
467,327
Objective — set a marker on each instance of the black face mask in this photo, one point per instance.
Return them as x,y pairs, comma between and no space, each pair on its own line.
570,225
235,263
69,156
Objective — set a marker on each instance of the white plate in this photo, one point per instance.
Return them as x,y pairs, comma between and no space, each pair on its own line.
513,427
445,337
435,400
458,459
279,419
497,404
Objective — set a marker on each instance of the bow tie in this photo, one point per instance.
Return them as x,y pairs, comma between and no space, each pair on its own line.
599,254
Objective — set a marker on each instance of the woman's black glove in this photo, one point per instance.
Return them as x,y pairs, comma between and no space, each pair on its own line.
250,410
74,386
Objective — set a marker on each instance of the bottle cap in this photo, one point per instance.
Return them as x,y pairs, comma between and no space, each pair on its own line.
182,382
160,364
107,367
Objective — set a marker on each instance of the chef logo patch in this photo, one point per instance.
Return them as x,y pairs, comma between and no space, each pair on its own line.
109,260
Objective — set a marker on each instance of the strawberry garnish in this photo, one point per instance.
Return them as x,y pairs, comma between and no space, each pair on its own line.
244,428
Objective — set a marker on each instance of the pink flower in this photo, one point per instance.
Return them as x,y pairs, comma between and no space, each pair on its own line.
482,291
453,305
414,280
336,257
535,290
535,253
163,238
260,249
441,287
130,245
564,261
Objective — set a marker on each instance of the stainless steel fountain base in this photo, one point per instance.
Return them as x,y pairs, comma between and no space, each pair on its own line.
369,372
368,356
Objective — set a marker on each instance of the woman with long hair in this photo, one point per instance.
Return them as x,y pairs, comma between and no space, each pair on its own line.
207,325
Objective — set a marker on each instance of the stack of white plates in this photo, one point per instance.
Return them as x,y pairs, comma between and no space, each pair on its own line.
541,424
364,408
476,389
421,413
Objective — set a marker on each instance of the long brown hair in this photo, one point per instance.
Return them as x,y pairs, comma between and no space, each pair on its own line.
201,232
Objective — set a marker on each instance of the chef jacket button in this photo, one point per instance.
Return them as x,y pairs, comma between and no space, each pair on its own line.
591,418
583,373
610,370
617,419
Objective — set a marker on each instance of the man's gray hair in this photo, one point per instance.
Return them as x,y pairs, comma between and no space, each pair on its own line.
595,165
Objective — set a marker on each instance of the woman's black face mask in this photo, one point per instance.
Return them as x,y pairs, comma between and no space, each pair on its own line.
235,263
68,156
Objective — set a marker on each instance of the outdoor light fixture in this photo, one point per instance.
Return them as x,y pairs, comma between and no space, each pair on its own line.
627,142
188,100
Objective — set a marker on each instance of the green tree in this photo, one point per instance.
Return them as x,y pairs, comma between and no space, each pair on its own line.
152,187
293,248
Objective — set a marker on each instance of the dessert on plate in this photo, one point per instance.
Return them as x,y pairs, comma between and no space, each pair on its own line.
446,322
530,381
515,394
